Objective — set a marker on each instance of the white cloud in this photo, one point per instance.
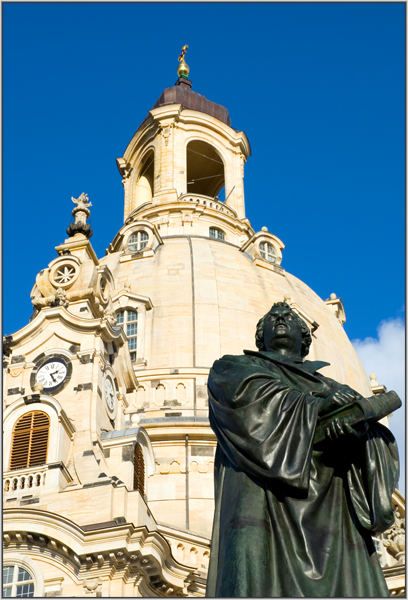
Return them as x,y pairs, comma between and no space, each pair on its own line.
385,356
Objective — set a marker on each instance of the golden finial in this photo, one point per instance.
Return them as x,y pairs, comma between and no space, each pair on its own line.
183,68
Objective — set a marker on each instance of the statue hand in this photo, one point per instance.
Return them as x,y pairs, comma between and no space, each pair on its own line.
338,430
340,397
344,395
333,401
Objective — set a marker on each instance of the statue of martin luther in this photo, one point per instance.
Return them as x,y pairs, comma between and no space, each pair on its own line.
304,473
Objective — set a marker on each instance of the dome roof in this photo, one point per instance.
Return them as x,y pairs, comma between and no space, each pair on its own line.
208,296
181,93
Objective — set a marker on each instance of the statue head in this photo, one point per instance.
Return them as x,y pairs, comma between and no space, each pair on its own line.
282,328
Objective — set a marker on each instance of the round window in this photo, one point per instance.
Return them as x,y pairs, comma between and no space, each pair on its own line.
64,274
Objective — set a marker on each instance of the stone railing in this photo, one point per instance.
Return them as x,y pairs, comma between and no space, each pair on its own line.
188,548
208,202
24,481
32,481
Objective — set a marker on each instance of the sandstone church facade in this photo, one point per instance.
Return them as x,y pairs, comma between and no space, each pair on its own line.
107,450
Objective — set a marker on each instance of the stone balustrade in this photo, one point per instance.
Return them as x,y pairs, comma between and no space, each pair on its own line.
191,550
24,481
208,202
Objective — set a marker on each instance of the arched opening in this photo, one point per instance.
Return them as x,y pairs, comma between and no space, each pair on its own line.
17,582
30,440
145,181
139,470
205,170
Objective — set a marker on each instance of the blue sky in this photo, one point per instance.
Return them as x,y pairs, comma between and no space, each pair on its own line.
318,88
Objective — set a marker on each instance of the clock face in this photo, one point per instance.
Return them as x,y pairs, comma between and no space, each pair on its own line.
52,374
110,397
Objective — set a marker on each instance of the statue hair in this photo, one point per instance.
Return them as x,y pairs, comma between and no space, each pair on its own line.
306,336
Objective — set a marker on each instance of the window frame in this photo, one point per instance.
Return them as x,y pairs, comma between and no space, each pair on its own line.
268,252
140,243
17,583
17,440
11,559
219,234
61,430
132,351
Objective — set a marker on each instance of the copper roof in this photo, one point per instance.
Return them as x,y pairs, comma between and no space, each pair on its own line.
181,93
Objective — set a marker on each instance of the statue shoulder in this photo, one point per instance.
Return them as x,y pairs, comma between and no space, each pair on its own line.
235,361
228,360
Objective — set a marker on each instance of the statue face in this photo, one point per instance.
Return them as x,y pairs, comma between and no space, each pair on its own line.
282,330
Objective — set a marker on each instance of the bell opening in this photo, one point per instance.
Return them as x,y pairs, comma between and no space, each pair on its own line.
205,170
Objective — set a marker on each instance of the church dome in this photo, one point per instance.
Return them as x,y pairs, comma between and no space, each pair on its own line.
208,294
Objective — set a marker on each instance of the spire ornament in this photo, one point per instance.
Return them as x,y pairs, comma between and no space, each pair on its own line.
183,68
80,213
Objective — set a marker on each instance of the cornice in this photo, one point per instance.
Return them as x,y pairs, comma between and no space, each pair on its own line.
167,428
78,243
188,116
104,545
100,325
137,297
153,211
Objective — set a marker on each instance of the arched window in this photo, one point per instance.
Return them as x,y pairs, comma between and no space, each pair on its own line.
144,185
128,318
205,170
139,470
267,251
217,234
17,582
137,241
30,440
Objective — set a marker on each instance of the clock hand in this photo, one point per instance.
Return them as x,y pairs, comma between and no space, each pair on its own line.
56,372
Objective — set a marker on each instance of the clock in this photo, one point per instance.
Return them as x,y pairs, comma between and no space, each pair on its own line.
52,372
110,397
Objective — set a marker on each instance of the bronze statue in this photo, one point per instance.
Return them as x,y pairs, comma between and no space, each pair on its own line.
304,473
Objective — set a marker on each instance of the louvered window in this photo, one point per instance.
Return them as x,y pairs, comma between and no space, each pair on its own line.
139,470
30,440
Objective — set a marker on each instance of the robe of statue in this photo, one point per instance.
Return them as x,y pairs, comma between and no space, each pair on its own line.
292,519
